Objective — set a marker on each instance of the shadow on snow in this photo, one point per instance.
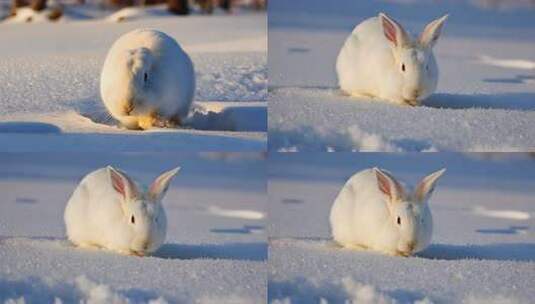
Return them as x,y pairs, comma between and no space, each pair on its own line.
228,251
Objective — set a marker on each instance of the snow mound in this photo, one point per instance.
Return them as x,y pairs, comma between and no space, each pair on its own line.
331,139
81,289
369,142
27,15
214,116
136,13
368,294
320,119
227,116
93,292
344,290
153,11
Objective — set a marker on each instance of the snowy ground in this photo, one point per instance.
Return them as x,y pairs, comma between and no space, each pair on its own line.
215,251
483,248
485,99
49,97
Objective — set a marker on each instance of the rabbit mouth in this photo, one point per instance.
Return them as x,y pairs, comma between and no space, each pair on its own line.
411,102
407,250
403,253
139,253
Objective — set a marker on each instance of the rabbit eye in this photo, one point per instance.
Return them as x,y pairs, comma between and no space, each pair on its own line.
426,67
132,220
399,220
145,77
403,67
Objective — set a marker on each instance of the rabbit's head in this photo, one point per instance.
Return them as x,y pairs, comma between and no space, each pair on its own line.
410,215
137,78
144,218
413,59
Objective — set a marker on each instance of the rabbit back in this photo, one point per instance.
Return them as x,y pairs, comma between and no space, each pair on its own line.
364,64
359,214
92,212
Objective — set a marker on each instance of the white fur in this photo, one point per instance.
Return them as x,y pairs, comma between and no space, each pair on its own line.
168,92
98,215
370,65
365,217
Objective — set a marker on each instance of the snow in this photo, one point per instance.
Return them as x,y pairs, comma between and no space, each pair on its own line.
134,13
50,75
484,100
128,14
83,289
483,240
215,249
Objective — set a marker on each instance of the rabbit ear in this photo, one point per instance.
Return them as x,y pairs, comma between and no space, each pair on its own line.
393,31
389,185
427,185
432,31
122,183
158,188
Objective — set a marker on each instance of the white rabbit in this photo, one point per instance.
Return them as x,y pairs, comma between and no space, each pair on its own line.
147,80
380,59
374,211
109,210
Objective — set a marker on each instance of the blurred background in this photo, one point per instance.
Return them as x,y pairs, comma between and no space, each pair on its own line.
54,10
491,171
219,170
341,14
